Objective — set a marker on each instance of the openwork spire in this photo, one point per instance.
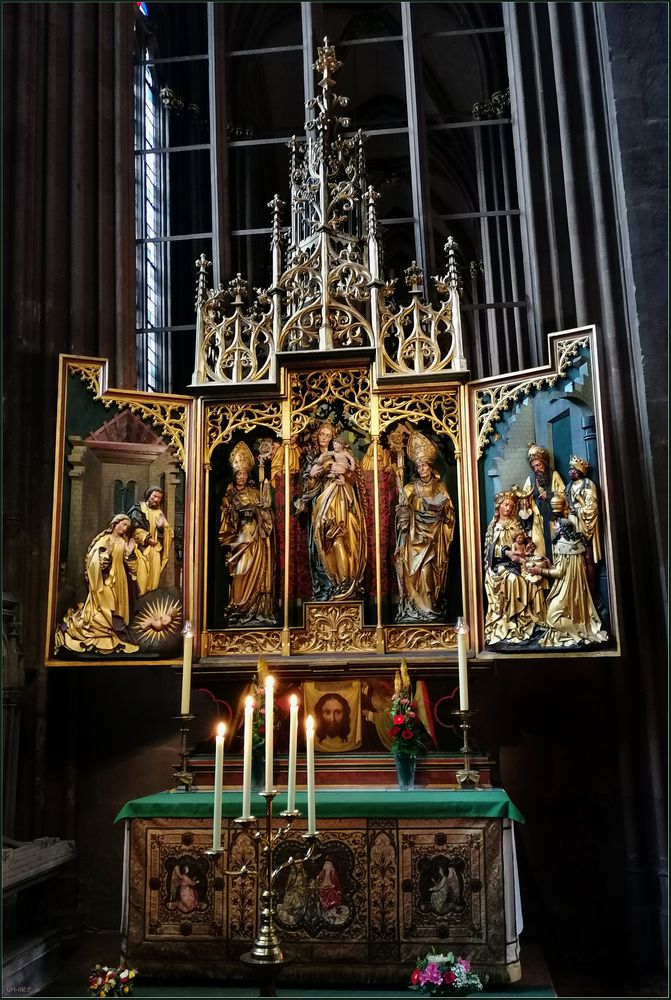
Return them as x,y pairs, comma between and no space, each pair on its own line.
328,292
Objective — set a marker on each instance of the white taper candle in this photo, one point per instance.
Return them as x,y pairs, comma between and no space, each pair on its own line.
310,766
218,786
247,759
293,741
269,707
462,650
186,669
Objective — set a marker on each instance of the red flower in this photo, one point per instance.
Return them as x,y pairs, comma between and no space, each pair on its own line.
398,720
394,731
449,977
262,728
407,734
414,977
411,715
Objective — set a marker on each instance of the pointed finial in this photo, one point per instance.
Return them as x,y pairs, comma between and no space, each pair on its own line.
414,279
203,266
451,248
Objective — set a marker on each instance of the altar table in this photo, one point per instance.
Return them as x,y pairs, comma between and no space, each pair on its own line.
396,874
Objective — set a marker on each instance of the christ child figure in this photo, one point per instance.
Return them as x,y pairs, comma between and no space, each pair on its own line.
339,462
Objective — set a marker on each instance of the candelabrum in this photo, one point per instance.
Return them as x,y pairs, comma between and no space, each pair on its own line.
183,776
468,778
266,954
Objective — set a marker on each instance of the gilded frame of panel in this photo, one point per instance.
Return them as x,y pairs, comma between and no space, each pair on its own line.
111,446
555,408
286,416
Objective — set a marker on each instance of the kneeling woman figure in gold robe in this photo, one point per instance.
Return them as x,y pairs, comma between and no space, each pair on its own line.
515,599
99,624
425,528
246,529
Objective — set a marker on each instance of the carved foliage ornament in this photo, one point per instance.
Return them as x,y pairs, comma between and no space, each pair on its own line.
491,402
168,418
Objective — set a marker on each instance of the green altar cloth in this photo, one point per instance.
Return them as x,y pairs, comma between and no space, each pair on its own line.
335,804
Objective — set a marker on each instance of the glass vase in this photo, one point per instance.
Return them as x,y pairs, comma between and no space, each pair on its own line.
405,772
258,769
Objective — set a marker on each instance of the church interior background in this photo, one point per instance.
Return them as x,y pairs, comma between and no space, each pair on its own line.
422,383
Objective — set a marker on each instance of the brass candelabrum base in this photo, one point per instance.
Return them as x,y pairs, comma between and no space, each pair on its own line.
468,778
266,954
183,776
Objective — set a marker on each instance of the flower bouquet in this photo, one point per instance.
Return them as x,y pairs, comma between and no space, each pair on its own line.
407,732
106,982
444,975
259,716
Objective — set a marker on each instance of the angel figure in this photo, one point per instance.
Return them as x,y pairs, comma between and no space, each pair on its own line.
183,889
444,890
247,531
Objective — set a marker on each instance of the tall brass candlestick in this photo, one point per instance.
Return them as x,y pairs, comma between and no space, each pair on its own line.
183,776
468,778
266,954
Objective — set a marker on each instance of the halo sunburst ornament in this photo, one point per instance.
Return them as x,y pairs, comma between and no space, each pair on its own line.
158,620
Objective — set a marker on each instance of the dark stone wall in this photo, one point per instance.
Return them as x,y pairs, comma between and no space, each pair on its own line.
638,57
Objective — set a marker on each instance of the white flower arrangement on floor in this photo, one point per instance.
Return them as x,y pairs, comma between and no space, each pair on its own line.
444,975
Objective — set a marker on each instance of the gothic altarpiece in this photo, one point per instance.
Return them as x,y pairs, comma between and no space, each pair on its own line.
332,496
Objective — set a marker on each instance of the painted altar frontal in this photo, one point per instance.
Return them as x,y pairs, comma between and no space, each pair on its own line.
392,878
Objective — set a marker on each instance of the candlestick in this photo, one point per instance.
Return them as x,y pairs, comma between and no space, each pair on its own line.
293,741
218,786
468,778
462,647
186,668
247,759
269,707
310,766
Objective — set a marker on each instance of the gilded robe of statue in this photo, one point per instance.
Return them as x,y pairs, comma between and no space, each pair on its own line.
425,528
583,505
246,529
337,540
571,618
99,624
540,487
153,536
514,603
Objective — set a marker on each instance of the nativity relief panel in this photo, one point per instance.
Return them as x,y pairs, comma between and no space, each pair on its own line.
118,575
